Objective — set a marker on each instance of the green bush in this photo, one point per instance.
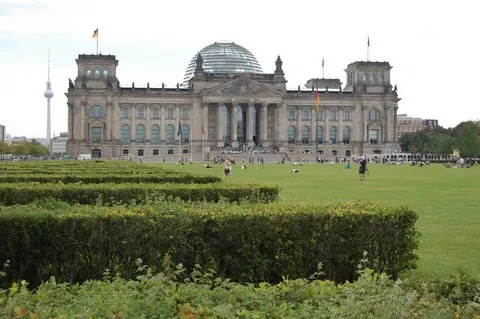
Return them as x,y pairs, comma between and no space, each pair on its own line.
202,295
109,193
245,242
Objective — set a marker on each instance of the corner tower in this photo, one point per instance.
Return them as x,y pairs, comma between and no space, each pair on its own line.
368,77
96,71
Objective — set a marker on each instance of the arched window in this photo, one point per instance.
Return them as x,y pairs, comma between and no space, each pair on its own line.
155,134
140,134
105,72
305,135
125,112
320,135
185,133
97,111
291,135
333,135
96,73
125,133
373,115
170,134
346,135
88,72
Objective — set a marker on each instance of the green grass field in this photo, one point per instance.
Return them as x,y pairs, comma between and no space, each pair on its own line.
446,200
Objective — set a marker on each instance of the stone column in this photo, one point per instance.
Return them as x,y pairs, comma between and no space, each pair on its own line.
250,120
109,121
340,126
220,124
163,128
283,126
395,137
133,127
83,122
233,125
205,121
326,128
264,121
70,121
148,122
385,123
299,125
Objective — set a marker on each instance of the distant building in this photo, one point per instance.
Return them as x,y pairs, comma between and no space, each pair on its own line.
59,144
408,124
2,133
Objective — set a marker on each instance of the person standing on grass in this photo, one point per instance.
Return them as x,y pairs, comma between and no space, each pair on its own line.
228,168
363,167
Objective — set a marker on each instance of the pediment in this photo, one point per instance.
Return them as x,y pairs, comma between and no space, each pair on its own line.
242,87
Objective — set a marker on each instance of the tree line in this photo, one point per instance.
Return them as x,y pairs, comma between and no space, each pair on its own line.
24,148
465,137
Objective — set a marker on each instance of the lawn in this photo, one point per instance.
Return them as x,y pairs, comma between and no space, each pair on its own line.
446,200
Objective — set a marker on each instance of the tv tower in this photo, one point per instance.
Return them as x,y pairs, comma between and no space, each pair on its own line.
48,94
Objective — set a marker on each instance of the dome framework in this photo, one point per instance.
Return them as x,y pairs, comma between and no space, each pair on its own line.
224,57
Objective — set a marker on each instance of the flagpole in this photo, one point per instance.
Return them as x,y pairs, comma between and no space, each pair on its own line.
97,42
368,49
323,67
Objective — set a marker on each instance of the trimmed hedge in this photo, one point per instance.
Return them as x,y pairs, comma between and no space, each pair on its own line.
111,177
246,242
108,193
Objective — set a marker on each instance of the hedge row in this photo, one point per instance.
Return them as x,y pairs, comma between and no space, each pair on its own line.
108,193
245,242
111,177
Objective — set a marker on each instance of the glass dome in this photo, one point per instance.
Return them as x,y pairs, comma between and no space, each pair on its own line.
224,57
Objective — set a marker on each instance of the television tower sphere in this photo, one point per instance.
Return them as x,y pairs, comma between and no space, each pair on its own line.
48,92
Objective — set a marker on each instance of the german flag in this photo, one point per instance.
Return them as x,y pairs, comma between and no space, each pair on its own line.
95,34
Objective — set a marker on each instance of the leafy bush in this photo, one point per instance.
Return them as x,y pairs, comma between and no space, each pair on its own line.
202,295
246,242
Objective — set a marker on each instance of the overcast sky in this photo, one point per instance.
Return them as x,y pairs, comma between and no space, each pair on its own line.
433,47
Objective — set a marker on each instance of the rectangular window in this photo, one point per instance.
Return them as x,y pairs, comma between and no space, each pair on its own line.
140,152
346,115
320,115
155,152
140,113
373,136
155,114
185,114
305,115
292,115
170,114
125,113
333,115
96,134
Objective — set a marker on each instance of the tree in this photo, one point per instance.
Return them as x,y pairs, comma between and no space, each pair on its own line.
468,138
4,148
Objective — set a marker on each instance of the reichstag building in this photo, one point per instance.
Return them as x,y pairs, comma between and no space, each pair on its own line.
226,102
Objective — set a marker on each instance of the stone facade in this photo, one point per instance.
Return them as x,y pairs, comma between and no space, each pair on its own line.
236,110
